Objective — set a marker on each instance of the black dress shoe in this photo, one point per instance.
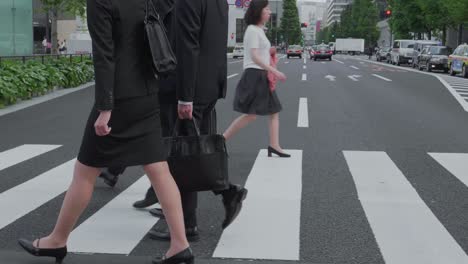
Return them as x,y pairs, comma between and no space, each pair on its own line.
109,178
156,212
150,199
232,200
58,253
274,151
163,234
185,257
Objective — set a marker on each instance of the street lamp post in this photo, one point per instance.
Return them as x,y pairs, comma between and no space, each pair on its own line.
13,12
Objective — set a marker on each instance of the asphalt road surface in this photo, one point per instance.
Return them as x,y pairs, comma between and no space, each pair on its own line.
378,174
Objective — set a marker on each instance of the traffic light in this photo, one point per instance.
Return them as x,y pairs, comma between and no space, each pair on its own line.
304,25
388,13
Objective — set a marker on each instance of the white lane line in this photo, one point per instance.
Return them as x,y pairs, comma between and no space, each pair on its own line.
117,228
304,77
405,229
323,62
26,197
304,67
443,79
39,100
250,236
338,61
305,60
286,62
354,67
455,163
232,75
22,153
303,116
381,77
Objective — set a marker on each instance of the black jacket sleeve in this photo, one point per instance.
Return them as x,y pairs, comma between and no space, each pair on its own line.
188,24
99,13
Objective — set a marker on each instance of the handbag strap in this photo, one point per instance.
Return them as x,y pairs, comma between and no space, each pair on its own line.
176,130
149,4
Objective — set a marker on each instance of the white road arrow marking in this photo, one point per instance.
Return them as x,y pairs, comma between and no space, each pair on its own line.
354,77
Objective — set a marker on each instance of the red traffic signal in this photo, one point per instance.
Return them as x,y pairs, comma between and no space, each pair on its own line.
304,25
388,12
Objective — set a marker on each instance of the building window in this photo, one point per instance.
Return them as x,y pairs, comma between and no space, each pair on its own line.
240,29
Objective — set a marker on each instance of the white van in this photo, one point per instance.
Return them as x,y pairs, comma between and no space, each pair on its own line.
402,51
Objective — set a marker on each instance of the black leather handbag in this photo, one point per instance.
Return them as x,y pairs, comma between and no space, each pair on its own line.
162,56
197,162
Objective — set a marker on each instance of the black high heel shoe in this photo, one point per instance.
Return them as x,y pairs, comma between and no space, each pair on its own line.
274,151
58,253
185,256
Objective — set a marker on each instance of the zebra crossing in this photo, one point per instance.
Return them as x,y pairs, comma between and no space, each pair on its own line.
460,85
404,227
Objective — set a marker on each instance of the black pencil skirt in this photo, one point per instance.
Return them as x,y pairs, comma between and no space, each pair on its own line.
135,138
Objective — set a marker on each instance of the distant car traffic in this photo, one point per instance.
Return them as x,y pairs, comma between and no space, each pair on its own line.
419,46
434,58
402,52
458,61
238,51
322,52
295,51
384,54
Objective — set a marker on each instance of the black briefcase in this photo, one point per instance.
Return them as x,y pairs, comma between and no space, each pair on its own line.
197,162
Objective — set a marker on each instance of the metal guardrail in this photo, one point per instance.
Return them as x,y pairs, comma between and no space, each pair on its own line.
45,57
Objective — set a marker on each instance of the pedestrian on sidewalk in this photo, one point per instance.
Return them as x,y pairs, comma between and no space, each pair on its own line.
123,127
253,95
192,92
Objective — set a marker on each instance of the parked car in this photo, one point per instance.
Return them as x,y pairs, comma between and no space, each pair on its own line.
402,52
434,58
238,51
458,61
323,52
419,46
383,54
295,51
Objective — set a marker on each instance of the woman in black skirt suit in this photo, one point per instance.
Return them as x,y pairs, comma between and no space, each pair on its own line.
123,128
253,96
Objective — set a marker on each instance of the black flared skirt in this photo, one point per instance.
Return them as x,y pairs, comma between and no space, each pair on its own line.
253,95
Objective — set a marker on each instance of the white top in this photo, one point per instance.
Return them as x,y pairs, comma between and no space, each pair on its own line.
255,38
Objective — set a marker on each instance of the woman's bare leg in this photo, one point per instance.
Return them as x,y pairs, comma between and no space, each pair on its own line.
76,200
169,197
238,124
274,132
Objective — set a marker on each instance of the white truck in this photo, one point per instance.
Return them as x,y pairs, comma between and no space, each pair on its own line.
350,46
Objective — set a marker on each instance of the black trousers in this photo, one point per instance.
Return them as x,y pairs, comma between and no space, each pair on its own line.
205,115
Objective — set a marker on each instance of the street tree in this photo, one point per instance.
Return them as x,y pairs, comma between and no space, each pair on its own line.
290,25
56,7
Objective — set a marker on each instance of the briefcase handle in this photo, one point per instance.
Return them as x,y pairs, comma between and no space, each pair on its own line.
176,131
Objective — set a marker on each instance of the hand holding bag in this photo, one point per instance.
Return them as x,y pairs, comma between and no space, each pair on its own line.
197,162
162,57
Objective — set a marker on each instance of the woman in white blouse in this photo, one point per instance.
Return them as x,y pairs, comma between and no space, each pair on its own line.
253,95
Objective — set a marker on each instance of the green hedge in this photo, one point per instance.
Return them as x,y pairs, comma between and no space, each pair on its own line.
20,81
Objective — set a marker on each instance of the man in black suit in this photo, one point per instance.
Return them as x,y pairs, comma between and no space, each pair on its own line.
198,30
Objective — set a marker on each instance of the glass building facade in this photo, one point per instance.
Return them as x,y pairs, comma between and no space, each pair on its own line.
16,27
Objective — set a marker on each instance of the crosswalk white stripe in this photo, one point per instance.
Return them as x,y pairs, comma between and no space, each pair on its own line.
22,153
251,236
303,116
117,228
455,163
405,228
34,193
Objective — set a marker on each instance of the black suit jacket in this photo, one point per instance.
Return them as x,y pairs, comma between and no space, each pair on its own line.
201,30
121,57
